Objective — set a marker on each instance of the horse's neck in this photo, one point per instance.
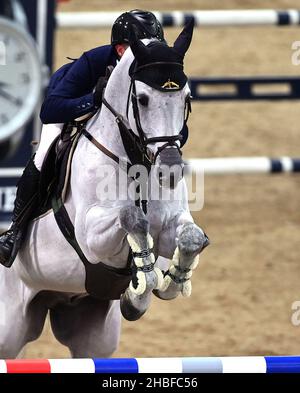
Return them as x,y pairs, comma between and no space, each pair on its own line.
104,129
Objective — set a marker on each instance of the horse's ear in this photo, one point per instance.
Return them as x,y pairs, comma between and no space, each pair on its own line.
138,48
183,41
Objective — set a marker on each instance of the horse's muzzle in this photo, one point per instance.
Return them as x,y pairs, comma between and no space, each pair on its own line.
170,167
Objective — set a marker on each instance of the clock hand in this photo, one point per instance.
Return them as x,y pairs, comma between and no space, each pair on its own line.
10,98
3,84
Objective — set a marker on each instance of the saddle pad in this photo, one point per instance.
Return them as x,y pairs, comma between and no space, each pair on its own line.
56,173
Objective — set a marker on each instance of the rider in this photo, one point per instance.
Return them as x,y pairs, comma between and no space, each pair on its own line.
71,94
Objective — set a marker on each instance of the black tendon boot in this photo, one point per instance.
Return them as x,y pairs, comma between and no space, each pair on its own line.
25,204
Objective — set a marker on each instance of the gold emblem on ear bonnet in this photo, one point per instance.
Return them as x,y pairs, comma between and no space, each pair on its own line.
170,85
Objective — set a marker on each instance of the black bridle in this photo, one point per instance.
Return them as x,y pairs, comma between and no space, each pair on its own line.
136,146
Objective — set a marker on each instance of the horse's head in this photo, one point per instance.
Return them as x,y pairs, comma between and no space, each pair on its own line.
160,102
149,96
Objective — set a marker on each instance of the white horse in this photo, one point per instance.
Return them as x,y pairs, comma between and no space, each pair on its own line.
148,97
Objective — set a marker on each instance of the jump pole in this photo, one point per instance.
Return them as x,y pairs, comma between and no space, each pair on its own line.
245,364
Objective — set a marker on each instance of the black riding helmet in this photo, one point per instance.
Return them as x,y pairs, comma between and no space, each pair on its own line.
146,24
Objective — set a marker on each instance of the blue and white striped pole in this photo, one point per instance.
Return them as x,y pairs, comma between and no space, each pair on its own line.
179,18
243,165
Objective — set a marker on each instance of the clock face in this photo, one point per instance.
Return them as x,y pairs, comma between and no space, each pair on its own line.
20,78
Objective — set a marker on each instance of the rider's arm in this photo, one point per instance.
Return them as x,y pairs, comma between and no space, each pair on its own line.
65,101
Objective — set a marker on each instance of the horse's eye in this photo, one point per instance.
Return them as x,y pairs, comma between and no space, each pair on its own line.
143,100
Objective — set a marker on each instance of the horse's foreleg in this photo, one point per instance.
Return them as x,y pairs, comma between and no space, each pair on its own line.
190,241
146,277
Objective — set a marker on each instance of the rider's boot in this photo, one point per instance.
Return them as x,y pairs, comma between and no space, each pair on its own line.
25,204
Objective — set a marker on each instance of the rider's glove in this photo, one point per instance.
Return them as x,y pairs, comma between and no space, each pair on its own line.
100,86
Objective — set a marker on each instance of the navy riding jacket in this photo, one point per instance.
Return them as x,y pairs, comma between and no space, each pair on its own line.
70,91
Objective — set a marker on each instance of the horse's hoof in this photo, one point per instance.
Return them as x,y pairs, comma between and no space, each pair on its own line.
165,295
129,312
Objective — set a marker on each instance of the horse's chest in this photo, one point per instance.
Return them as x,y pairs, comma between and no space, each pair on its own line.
158,218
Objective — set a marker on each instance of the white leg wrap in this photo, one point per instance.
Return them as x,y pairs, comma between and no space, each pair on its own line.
160,277
166,283
140,262
140,289
186,287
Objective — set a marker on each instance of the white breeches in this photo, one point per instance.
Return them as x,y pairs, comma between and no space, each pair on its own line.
49,133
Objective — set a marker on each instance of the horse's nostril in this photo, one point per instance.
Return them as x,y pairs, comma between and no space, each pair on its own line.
169,177
172,180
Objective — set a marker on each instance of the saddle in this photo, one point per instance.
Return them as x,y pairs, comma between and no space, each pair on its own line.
55,171
102,282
